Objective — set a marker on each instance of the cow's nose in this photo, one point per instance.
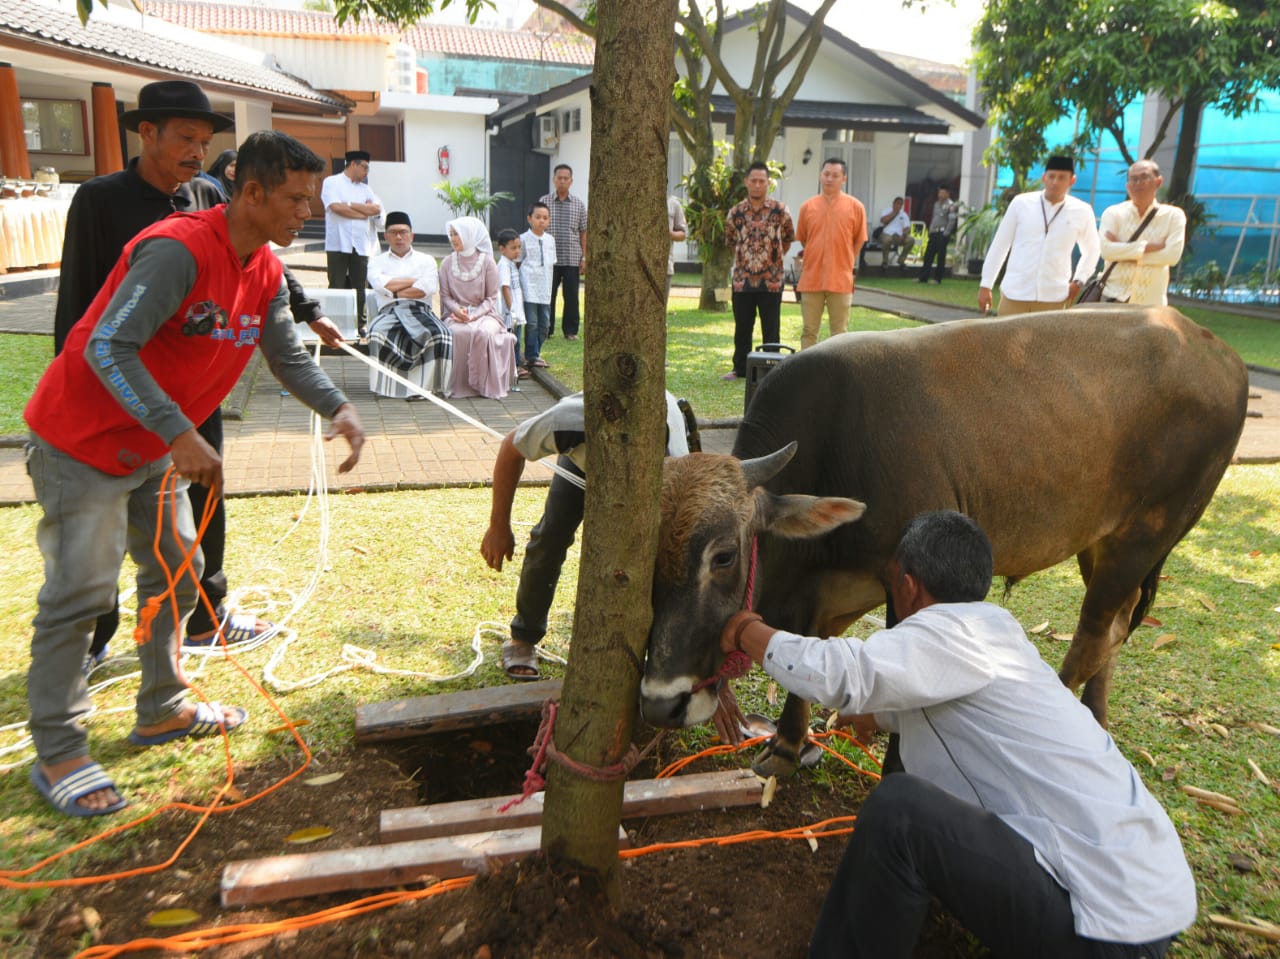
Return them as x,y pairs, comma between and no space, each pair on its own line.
666,711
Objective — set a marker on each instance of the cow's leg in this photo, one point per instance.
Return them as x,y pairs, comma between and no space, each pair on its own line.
1116,583
781,755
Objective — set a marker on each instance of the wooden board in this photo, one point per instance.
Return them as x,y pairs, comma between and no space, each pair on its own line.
643,797
250,882
403,718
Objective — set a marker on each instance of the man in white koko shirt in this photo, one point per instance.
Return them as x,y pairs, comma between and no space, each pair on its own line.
1037,235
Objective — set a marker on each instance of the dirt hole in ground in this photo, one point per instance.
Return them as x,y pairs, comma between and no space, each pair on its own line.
745,901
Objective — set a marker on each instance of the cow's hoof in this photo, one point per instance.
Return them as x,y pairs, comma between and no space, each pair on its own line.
781,760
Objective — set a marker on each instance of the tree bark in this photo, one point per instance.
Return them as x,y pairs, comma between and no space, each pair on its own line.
1185,154
624,376
717,266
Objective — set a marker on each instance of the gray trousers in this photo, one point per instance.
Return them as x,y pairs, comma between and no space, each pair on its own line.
90,519
544,557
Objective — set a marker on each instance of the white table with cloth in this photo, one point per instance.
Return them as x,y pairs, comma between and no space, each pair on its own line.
31,230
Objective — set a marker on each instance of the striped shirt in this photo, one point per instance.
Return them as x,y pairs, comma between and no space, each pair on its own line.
568,221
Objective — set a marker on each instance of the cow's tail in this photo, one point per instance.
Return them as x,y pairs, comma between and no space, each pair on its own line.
1147,596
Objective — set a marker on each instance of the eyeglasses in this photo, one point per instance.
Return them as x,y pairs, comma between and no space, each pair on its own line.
1140,177
399,233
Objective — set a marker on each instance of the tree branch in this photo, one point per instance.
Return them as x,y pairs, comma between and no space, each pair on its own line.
569,15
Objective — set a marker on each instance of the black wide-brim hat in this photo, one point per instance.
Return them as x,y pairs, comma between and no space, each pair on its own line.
173,98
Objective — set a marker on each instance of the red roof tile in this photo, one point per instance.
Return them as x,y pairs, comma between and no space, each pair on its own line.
570,47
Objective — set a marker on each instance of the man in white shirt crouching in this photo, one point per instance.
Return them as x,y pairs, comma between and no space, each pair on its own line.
1016,809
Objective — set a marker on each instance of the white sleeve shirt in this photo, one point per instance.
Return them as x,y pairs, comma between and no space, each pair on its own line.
899,225
1038,238
984,717
416,264
343,234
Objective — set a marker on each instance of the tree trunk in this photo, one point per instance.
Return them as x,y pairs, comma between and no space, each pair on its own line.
717,265
1185,153
625,361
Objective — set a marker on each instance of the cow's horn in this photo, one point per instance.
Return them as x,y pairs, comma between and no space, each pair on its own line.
760,470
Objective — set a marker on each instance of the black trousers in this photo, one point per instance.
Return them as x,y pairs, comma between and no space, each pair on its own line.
544,556
214,546
745,306
571,320
349,271
935,250
913,841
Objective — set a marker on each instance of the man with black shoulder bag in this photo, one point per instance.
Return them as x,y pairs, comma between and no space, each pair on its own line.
1138,268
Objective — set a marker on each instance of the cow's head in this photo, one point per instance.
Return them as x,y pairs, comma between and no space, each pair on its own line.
712,508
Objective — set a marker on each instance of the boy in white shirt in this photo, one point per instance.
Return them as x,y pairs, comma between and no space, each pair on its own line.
511,299
537,263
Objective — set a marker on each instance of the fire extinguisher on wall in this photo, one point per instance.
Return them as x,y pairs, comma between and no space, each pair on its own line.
442,160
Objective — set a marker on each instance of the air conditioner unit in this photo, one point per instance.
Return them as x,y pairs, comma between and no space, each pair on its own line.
546,132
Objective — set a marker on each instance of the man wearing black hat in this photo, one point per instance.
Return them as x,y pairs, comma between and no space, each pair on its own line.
1037,235
350,211
175,123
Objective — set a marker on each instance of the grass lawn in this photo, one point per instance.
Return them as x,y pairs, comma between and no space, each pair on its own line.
25,357
1256,340
700,350
414,591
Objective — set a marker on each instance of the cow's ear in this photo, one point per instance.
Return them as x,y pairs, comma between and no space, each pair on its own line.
800,517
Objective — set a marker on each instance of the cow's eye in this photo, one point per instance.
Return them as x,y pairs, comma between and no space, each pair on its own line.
724,559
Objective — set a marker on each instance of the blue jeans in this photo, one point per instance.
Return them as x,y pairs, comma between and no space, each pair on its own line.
90,519
537,327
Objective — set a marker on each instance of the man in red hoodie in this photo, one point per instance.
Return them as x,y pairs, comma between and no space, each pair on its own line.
160,347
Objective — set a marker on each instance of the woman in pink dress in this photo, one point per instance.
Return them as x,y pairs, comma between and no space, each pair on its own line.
484,353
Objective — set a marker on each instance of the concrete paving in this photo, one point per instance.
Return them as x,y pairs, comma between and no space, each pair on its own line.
415,444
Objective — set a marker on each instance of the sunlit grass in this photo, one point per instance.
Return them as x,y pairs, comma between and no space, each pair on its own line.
25,358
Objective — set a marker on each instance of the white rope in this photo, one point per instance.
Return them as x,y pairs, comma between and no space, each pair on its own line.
449,408
194,657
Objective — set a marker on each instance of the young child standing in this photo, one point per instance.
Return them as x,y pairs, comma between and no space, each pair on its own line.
537,261
511,298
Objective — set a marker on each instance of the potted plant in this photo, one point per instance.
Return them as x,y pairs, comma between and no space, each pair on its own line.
469,198
974,234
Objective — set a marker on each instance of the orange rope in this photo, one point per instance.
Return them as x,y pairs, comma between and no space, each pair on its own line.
199,940
11,878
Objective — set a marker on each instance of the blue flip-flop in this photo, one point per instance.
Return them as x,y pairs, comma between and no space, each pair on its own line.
63,794
208,721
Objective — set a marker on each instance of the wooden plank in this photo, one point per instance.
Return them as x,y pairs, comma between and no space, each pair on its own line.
251,882
642,797
403,718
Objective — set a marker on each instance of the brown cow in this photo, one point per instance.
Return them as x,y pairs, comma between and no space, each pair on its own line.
1096,433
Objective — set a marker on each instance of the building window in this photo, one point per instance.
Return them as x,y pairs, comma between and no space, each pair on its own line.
55,126
571,120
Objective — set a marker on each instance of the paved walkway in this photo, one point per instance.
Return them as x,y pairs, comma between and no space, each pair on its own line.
415,444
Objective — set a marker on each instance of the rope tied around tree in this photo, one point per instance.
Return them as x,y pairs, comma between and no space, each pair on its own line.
544,748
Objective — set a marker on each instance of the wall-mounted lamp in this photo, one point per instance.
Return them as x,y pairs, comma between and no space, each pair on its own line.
808,155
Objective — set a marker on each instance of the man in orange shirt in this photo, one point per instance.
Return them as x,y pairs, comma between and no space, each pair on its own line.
832,227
